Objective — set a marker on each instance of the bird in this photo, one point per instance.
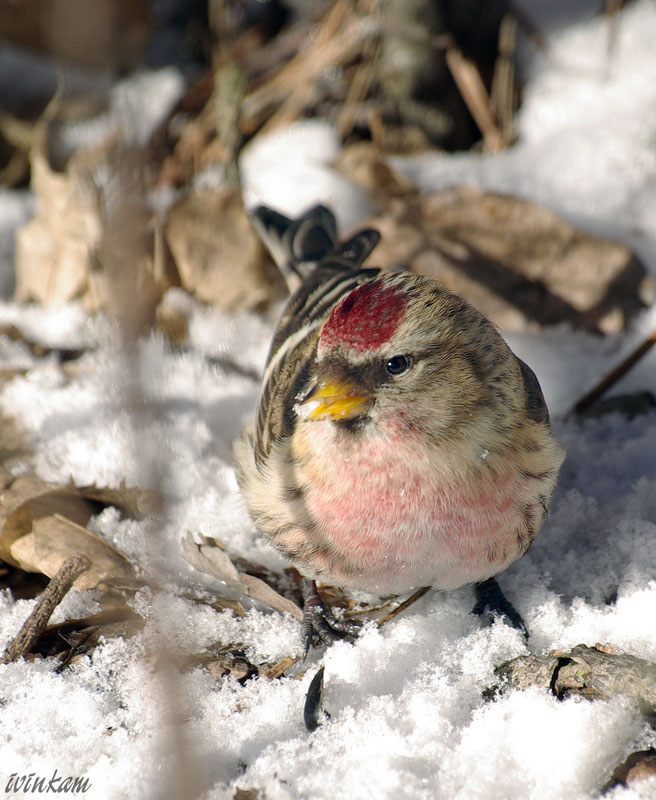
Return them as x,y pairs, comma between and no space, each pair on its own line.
398,442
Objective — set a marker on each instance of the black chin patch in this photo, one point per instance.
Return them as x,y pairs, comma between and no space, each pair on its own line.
353,426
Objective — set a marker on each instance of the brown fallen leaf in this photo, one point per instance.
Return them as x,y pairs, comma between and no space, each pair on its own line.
27,499
132,502
531,260
218,254
55,249
519,263
100,244
212,559
42,523
54,538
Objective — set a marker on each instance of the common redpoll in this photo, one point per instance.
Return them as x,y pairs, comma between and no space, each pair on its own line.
398,442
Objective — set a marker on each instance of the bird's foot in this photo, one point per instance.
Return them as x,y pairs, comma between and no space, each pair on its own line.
319,622
489,597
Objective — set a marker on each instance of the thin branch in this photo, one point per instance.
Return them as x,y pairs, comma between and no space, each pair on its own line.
474,93
49,599
613,377
402,606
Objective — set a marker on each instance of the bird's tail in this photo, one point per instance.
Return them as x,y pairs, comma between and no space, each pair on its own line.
299,245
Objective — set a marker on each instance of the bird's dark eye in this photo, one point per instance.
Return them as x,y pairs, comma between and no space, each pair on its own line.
397,364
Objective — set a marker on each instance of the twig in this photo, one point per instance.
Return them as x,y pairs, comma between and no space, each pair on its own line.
122,249
49,599
620,370
503,91
338,40
530,28
279,669
474,93
405,604
359,86
611,12
229,87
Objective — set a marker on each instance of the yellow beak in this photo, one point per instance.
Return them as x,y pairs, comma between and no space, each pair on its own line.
335,400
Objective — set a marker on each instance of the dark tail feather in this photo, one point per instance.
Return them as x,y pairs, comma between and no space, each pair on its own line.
297,245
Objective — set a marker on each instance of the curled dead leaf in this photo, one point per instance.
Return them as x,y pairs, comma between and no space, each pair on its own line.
54,538
217,252
211,559
42,523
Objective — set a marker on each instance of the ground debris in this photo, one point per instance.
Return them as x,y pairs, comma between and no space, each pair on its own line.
519,263
41,524
49,599
222,264
591,672
638,766
210,557
222,661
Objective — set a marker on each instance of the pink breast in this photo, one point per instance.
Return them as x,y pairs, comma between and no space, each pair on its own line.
386,515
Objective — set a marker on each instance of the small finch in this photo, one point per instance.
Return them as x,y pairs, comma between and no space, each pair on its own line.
398,441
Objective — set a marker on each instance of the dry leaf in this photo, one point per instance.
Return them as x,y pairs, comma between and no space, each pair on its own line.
55,249
213,560
100,245
42,523
54,538
218,255
533,261
28,499
132,502
519,263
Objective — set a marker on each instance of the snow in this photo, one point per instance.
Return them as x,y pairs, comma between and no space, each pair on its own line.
290,170
586,133
407,716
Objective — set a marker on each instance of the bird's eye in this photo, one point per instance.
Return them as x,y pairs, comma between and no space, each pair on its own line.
397,364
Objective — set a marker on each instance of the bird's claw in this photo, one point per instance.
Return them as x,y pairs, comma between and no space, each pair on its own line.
319,621
489,597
